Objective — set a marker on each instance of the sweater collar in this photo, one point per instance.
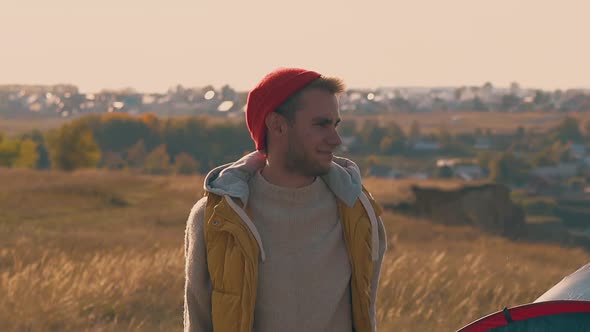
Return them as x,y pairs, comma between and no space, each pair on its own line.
232,179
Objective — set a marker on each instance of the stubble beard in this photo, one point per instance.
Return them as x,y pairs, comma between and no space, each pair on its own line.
298,162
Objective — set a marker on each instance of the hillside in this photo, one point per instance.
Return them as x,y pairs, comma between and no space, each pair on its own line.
102,251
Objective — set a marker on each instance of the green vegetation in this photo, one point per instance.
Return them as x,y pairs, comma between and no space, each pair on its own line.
539,206
72,147
574,213
123,141
506,168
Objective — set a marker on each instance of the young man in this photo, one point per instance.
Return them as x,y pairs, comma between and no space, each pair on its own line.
286,238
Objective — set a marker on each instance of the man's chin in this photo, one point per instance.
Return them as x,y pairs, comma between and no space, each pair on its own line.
324,168
318,167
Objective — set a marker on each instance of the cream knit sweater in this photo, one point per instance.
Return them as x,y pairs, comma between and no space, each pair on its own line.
304,284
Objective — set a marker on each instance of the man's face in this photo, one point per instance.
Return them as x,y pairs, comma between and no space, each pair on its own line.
313,138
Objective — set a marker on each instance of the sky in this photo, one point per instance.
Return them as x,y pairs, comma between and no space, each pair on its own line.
153,45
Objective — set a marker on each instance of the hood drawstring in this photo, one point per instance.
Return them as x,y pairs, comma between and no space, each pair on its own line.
248,222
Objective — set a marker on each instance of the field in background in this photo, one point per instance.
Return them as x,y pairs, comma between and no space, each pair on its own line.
429,122
457,122
103,251
15,126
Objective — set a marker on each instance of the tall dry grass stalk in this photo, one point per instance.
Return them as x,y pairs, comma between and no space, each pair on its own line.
438,278
126,291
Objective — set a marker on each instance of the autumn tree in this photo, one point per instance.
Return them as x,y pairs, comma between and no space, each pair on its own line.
37,137
113,160
27,154
444,137
119,131
506,168
415,133
185,164
73,146
552,155
157,161
567,130
136,154
393,140
9,149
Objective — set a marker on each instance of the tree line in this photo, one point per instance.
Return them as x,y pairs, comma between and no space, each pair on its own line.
143,143
153,145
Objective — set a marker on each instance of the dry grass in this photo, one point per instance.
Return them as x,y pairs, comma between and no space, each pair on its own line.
92,250
135,290
19,125
101,251
439,278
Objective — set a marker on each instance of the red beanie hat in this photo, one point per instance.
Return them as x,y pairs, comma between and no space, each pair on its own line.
271,92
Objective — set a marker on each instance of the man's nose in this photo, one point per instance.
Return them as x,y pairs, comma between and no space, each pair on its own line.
334,138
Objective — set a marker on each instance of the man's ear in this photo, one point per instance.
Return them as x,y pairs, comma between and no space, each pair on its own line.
275,123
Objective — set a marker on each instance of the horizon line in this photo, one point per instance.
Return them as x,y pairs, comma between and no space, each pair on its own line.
219,86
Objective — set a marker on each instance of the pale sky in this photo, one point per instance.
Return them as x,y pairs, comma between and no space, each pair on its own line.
153,45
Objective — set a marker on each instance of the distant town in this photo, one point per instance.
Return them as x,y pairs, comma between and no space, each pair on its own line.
67,101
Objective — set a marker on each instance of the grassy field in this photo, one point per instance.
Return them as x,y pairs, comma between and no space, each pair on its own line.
15,126
103,251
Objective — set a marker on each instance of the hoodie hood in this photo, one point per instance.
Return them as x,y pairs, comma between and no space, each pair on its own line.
343,179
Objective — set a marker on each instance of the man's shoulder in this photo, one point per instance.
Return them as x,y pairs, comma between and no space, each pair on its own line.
198,210
197,213
200,204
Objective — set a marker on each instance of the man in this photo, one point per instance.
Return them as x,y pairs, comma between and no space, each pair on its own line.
286,238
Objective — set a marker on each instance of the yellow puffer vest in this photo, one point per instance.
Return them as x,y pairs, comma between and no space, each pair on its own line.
233,248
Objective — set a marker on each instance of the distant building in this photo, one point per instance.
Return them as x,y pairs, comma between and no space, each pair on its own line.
463,169
426,146
482,143
577,150
468,172
561,171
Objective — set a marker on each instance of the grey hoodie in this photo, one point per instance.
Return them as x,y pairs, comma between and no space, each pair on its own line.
231,180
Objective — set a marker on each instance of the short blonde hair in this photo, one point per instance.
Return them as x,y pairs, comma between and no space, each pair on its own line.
332,85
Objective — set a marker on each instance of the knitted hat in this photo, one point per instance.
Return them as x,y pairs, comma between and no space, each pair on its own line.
269,94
